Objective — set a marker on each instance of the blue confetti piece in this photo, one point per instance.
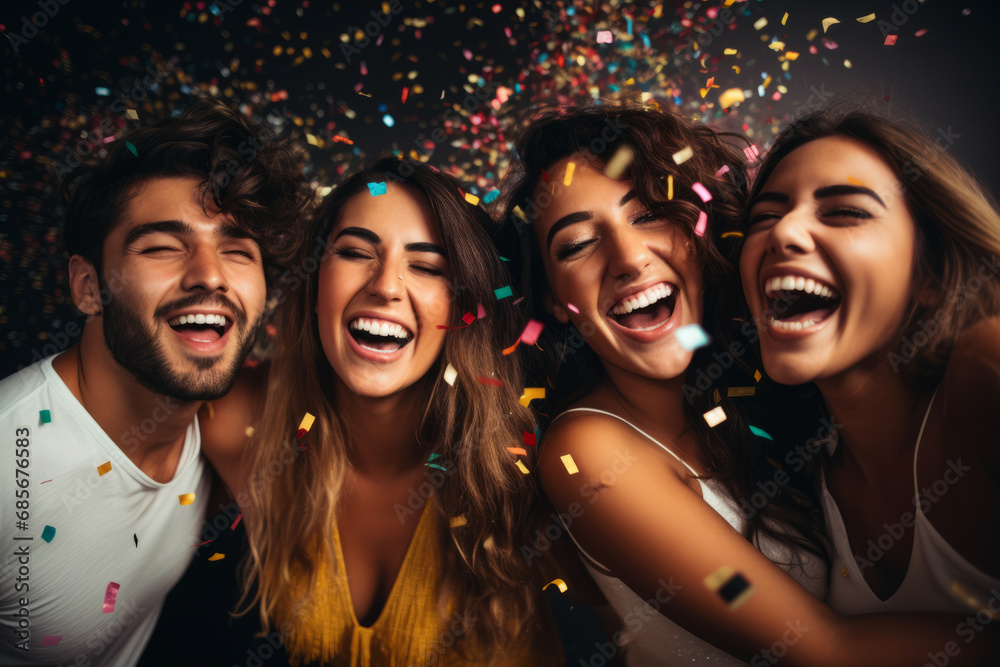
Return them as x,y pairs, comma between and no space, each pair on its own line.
388,120
377,188
491,196
503,292
102,91
48,533
760,433
691,337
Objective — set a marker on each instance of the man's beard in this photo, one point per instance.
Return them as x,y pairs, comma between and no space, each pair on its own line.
138,349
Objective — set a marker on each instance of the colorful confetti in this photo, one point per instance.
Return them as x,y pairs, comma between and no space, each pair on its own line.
450,374
531,331
567,460
377,189
216,556
715,416
558,583
45,416
110,595
691,336
48,533
731,586
503,292
457,521
307,422
186,498
530,394
702,191
683,155
523,468
104,469
759,432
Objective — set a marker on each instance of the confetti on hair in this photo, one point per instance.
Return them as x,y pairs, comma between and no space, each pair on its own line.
471,198
572,308
715,416
531,393
568,177
531,331
434,457
216,556
517,301
104,469
866,19
604,37
567,460
457,521
523,468
131,148
468,318
450,374
760,433
186,498
731,586
48,533
827,22
722,170
51,640
377,188
726,235
490,381
890,40
702,191
517,451
683,155
491,196
735,392
558,583
619,162
503,292
691,336
670,186
716,396
45,416
529,439
110,595
751,152
305,425
702,224
509,350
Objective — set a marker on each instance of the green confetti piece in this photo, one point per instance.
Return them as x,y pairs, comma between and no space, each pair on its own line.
760,433
503,259
131,148
48,533
503,292
45,416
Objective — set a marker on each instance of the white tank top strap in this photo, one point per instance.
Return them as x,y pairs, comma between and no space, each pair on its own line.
636,428
916,449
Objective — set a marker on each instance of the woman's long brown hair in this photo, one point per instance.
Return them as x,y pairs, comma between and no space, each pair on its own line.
470,425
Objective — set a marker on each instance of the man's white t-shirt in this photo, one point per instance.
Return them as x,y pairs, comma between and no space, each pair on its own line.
78,540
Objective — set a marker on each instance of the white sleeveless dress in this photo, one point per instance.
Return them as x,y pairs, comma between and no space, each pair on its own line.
651,639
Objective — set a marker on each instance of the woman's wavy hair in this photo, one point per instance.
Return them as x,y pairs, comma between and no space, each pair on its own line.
469,424
594,133
957,230
245,171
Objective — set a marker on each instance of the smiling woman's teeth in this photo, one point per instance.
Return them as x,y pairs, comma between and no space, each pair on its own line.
791,326
798,284
642,299
378,328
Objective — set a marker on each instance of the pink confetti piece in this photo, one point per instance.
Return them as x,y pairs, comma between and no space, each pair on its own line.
573,308
604,37
699,228
480,311
920,33
722,170
702,191
514,303
531,331
51,640
109,597
751,152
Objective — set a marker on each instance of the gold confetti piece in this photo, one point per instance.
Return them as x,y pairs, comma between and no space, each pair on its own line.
104,469
471,198
827,22
784,18
531,393
488,543
716,396
811,35
760,23
726,235
570,464
730,52
741,391
848,64
216,556
670,186
457,521
715,416
568,178
791,55
866,19
186,498
248,431
131,113
558,583
756,375
854,181
450,374
730,96
307,422
843,571
522,467
619,162
683,155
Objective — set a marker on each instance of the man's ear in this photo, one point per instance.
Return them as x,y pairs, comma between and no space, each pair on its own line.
84,286
555,308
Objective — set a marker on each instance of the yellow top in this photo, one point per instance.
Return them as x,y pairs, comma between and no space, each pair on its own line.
408,631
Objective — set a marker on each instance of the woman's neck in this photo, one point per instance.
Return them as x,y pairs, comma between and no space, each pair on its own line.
382,431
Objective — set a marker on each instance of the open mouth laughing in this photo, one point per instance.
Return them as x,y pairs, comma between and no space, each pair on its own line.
796,303
379,336
200,327
647,309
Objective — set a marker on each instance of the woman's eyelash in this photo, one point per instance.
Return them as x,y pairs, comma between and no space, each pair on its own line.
429,270
350,252
569,249
848,212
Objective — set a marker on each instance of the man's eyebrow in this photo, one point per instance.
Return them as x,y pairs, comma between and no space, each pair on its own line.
565,221
770,196
834,190
424,246
361,233
233,231
164,226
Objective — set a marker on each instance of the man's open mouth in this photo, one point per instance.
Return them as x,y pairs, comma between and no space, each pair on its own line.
201,327
645,310
379,335
795,303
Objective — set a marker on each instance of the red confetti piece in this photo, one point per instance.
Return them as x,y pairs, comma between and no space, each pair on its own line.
51,640
890,40
529,438
406,91
468,318
110,595
237,522
490,381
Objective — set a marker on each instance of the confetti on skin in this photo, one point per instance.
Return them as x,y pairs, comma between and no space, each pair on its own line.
530,394
890,40
471,198
683,155
866,19
529,439
734,392
110,595
558,583
531,331
307,422
104,469
490,381
131,148
237,522
619,162
691,337
248,431
760,433
503,292
450,374
45,416
48,533
457,521
376,188
216,556
756,375
567,460
186,498
670,186
491,196
731,586
702,223
604,37
702,191
51,640
827,22
523,468
715,416
568,177
726,235
573,309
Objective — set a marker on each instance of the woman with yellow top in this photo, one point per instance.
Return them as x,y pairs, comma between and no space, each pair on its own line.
387,531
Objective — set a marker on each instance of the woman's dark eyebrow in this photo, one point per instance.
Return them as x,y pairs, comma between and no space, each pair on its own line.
581,216
834,190
424,246
361,233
